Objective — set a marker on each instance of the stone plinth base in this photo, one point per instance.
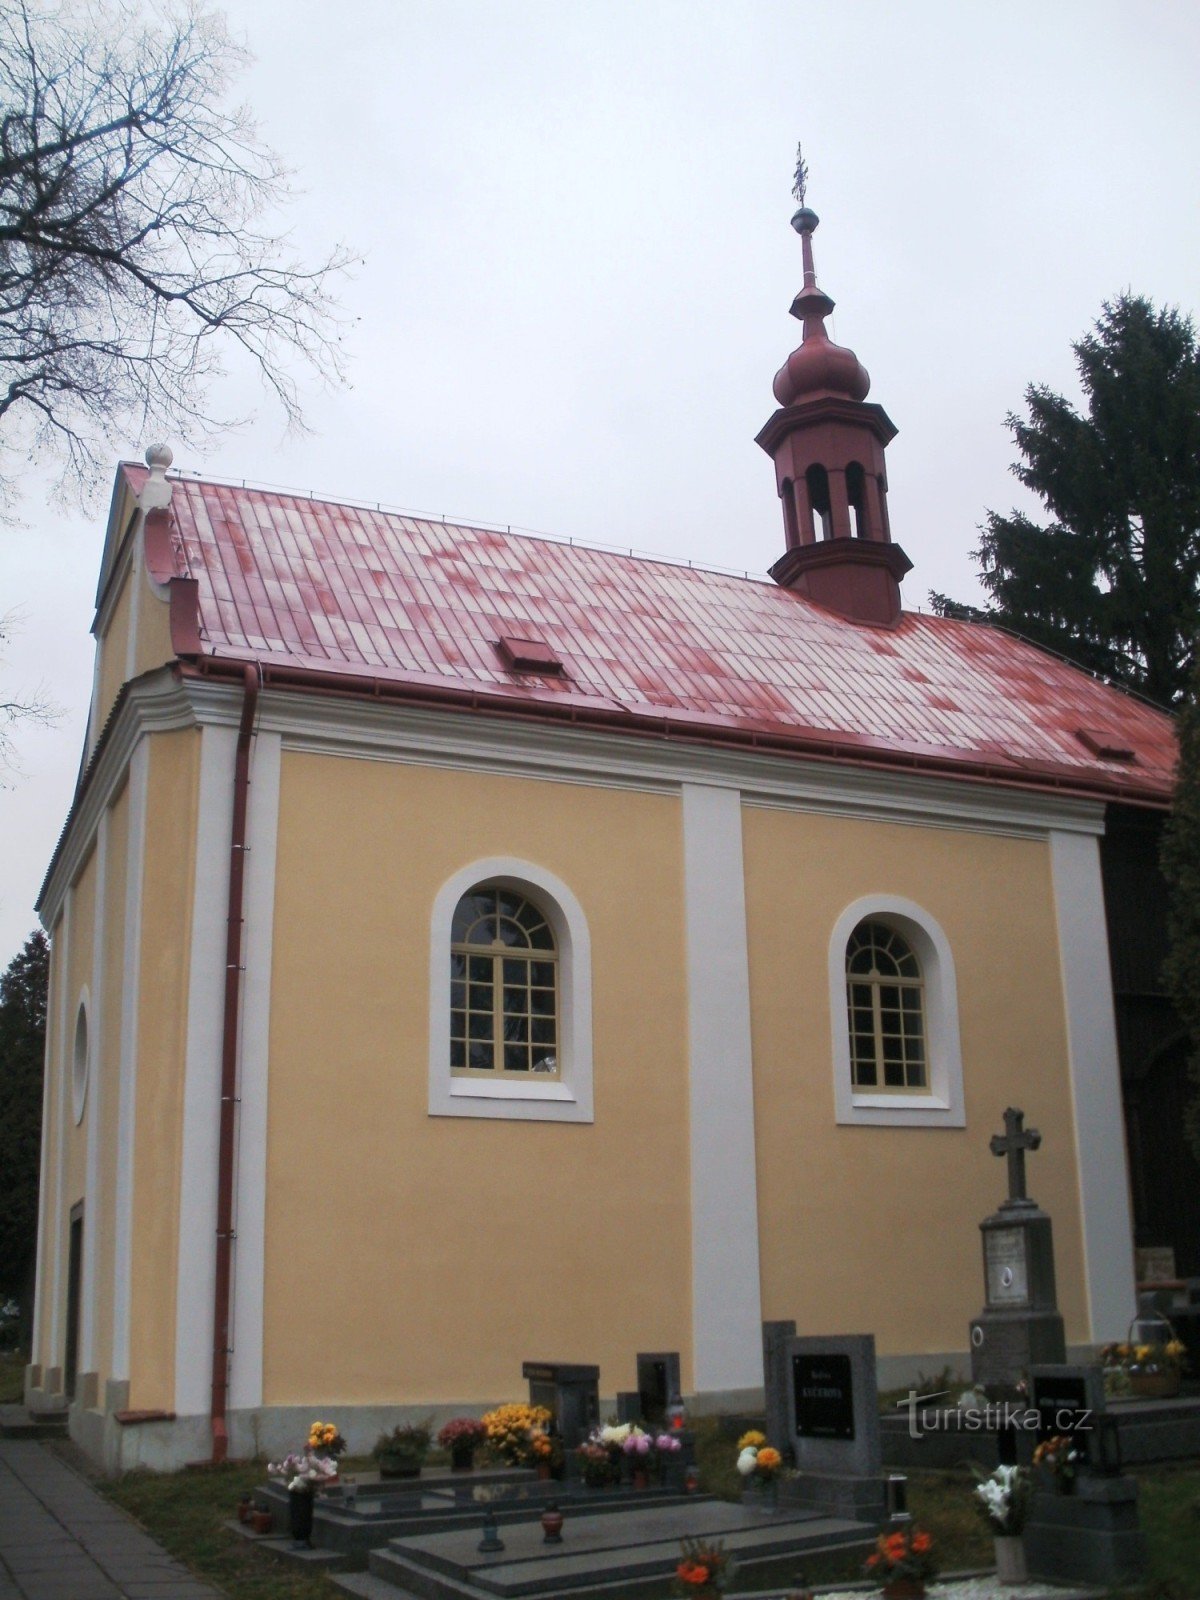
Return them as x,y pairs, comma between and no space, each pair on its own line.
1091,1536
1005,1344
836,1495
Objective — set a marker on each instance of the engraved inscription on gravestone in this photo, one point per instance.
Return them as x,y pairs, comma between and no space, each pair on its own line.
1007,1268
824,1391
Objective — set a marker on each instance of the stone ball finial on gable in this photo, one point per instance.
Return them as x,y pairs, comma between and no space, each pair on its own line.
159,456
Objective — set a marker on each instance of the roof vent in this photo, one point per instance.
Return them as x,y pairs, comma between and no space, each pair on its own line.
1104,745
528,655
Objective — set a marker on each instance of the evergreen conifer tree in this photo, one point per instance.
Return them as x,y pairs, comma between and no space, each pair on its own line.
22,1044
1181,868
1113,580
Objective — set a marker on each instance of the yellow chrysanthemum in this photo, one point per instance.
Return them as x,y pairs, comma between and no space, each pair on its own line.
753,1440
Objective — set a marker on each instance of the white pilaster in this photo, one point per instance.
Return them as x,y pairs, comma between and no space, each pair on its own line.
66,1040
202,1076
45,1227
97,1068
135,856
250,1201
726,1298
1095,1083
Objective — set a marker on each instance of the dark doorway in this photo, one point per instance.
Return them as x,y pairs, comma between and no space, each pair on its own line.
1166,1175
74,1284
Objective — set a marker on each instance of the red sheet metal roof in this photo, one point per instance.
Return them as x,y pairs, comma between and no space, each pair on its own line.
319,585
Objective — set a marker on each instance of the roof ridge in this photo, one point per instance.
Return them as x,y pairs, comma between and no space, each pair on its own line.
475,524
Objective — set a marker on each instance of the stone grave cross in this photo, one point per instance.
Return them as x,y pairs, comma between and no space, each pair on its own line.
1013,1143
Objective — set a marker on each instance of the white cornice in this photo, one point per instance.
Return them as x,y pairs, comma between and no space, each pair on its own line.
387,731
155,703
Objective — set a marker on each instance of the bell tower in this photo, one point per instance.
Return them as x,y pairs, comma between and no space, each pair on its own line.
827,444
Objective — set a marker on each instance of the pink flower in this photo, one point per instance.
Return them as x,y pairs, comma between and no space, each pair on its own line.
666,1443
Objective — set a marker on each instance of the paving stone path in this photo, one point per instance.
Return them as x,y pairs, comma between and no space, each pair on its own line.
60,1540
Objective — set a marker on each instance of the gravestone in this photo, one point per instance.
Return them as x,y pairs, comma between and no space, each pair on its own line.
1020,1326
657,1384
1091,1535
570,1392
657,1381
823,1410
1069,1400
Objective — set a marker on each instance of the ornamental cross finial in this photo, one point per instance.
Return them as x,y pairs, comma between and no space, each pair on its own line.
1013,1143
800,186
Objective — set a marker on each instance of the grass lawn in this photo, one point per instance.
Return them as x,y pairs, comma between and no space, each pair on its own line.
185,1512
12,1377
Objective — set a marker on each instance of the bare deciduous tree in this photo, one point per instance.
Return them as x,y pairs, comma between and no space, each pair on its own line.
34,706
133,254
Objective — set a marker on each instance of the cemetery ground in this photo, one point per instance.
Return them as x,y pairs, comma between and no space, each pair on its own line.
12,1377
188,1513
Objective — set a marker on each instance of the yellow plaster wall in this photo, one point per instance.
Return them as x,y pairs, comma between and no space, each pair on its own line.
876,1229
455,1248
153,646
79,975
113,646
162,1030
109,1063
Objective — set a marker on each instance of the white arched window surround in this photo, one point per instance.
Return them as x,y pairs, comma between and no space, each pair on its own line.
568,1098
942,1106
80,1057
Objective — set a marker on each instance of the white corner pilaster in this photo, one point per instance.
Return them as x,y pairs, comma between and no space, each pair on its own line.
1095,1083
45,1228
135,854
63,1053
726,1295
250,1201
97,1069
202,1075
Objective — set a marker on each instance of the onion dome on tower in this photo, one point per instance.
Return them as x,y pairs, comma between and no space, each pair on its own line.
827,444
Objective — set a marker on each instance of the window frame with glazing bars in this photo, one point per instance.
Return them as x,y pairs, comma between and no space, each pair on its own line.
482,968
885,1011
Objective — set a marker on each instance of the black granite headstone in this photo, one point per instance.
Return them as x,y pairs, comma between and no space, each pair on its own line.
570,1392
823,1386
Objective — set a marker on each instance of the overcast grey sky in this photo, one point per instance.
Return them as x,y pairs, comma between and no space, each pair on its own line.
577,268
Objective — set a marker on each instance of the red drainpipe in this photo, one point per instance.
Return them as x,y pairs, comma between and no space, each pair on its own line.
229,1064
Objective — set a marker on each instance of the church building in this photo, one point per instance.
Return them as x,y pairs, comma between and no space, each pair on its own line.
472,948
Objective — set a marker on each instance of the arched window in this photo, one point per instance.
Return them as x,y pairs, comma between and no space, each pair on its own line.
510,990
885,1001
818,493
503,985
897,1056
80,1060
791,524
856,495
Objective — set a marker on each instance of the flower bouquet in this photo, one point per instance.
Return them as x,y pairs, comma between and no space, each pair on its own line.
510,1431
1058,1458
597,1465
705,1570
547,1451
1148,1369
462,1436
760,1466
1002,1497
902,1563
401,1453
304,1471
